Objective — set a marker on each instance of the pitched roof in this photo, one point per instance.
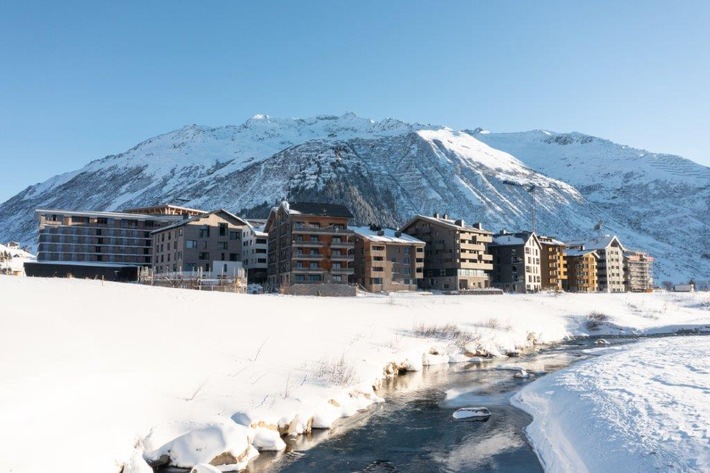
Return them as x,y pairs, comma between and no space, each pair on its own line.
389,235
597,243
225,214
513,239
316,208
446,222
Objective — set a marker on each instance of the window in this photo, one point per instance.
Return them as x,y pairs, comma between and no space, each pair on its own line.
234,235
190,267
233,256
337,279
375,280
204,231
102,221
300,277
261,260
204,255
222,229
222,245
191,244
314,277
377,269
407,250
98,231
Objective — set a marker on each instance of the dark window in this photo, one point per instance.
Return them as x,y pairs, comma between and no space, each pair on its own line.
204,255
233,256
102,221
204,231
234,235
222,229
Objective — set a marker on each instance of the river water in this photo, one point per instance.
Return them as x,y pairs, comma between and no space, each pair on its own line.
414,430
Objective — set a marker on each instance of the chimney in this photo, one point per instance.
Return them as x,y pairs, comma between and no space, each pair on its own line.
445,217
380,233
436,214
477,226
398,234
459,223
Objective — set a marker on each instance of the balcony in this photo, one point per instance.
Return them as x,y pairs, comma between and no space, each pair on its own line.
307,244
306,256
342,271
308,230
342,257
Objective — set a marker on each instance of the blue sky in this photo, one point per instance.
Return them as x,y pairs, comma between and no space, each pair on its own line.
82,80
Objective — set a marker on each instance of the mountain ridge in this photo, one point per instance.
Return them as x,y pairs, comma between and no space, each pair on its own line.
389,170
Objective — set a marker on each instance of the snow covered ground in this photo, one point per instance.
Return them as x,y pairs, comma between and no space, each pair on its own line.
93,374
639,408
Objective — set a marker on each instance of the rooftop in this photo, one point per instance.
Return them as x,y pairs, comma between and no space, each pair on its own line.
388,235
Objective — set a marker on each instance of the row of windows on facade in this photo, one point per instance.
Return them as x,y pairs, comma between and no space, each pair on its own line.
201,256
101,220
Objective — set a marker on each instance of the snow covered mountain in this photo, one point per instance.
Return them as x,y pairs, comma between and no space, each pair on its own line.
389,170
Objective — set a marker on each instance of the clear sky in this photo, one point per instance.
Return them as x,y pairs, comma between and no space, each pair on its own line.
82,80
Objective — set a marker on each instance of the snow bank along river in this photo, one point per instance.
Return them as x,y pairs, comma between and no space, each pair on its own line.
93,376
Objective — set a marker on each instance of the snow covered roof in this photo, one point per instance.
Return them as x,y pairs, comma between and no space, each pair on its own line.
389,235
228,215
597,243
15,252
449,223
316,208
545,240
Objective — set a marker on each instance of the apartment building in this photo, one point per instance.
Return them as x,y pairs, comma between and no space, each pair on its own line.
255,251
99,244
638,271
610,264
553,263
387,259
516,262
455,256
581,271
309,243
198,243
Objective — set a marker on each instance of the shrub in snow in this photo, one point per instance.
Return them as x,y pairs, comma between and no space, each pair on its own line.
225,445
595,320
339,372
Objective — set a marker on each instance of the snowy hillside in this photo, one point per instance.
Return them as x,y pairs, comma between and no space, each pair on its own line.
387,171
662,197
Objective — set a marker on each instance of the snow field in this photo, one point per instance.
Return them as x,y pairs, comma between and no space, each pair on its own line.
638,408
94,375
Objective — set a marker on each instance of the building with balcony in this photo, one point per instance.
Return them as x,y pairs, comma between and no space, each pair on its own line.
456,257
516,262
610,264
581,271
309,243
638,271
109,245
553,263
387,260
196,243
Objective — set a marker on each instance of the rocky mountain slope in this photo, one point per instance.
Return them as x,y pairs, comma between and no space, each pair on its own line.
388,171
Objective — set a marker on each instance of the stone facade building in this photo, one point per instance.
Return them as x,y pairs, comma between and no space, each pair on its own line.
387,260
456,256
198,243
309,243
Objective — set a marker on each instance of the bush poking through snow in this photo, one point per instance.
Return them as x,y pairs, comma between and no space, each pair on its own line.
449,332
338,372
595,320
